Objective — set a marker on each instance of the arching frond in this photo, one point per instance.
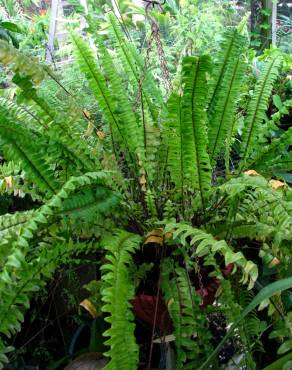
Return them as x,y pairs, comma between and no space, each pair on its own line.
17,146
203,244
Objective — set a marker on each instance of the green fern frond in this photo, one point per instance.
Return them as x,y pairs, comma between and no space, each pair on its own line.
44,111
134,67
10,226
190,327
257,107
21,114
20,279
21,62
129,125
174,133
267,156
90,202
229,51
261,214
203,244
117,291
106,101
222,114
17,146
151,205
196,162
54,207
57,129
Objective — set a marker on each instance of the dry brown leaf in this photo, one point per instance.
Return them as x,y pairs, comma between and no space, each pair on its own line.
89,307
276,184
252,173
8,180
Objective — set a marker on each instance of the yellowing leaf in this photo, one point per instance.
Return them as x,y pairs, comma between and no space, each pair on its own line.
89,130
274,262
264,304
251,173
89,307
100,134
170,302
86,113
154,236
142,181
276,184
8,181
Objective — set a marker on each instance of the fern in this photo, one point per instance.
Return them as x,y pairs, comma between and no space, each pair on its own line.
10,226
190,329
21,279
196,162
56,128
174,134
20,62
202,244
97,82
153,169
222,115
20,114
17,146
257,107
134,67
129,125
269,155
230,50
88,203
117,290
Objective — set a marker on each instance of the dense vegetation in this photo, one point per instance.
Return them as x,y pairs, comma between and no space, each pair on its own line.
175,178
